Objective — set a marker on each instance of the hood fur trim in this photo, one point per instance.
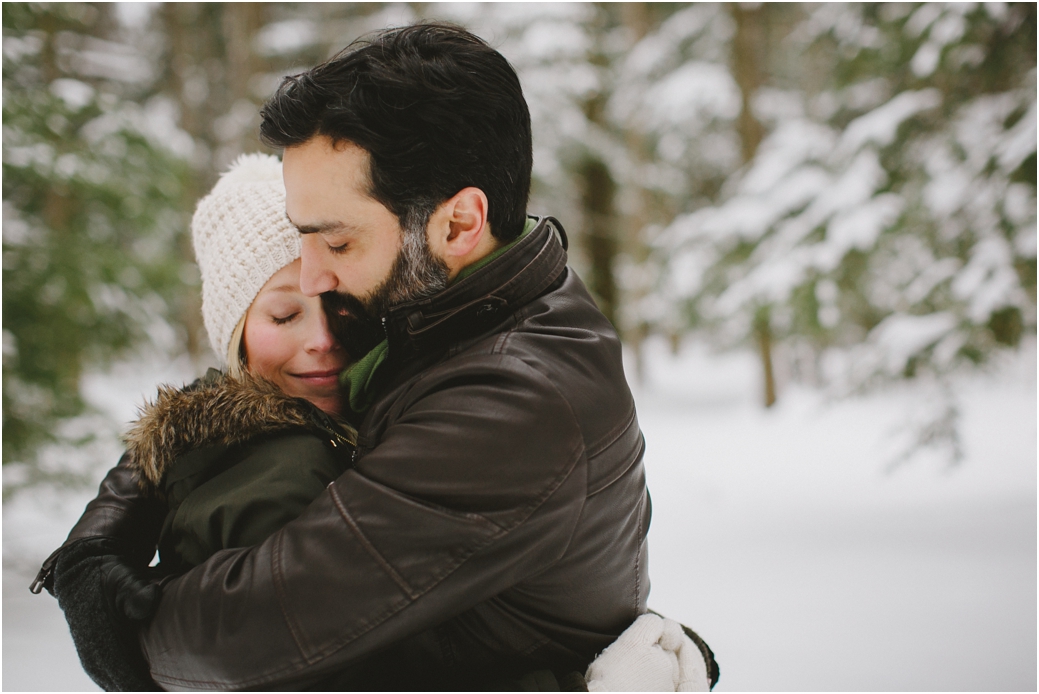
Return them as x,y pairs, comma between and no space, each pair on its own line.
222,412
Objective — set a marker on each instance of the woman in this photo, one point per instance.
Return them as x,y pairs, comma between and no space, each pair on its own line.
237,456
233,456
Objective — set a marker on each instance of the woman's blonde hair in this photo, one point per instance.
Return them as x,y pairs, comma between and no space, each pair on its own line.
237,366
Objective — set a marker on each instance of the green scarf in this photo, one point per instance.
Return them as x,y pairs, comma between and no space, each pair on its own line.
357,379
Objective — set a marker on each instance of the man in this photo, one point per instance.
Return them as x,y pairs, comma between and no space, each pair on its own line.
494,520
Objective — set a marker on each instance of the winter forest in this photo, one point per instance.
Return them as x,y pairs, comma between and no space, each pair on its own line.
813,226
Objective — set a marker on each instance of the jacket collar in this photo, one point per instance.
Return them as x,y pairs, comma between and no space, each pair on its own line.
218,410
482,299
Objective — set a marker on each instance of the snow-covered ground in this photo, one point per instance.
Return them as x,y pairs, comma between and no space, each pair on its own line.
778,535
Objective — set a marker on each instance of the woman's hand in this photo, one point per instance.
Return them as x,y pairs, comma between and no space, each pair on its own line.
104,596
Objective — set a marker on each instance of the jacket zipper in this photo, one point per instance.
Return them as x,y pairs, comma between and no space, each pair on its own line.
357,445
335,438
47,569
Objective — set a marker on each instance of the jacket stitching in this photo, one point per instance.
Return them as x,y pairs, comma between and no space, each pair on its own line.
345,640
632,463
543,257
638,559
369,547
348,638
279,586
611,437
519,315
535,646
499,344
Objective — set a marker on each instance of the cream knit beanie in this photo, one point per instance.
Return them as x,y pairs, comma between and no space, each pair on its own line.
241,237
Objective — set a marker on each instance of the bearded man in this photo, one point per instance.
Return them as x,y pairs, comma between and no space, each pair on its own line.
494,520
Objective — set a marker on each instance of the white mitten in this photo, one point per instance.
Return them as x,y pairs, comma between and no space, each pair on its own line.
652,655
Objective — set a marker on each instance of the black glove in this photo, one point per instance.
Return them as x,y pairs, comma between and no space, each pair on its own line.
105,598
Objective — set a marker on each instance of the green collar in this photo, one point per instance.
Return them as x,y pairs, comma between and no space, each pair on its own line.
490,257
357,379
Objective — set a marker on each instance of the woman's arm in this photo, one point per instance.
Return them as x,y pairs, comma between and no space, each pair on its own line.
121,511
99,578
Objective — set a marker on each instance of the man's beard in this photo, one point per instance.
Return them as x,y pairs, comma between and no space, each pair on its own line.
356,322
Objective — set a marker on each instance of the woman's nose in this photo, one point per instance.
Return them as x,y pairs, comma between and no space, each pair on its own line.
319,336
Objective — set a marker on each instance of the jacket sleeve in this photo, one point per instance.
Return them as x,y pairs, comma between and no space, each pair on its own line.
477,483
121,511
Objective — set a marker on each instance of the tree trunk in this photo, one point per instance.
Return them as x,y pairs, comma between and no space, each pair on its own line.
241,22
747,58
211,62
763,333
747,48
599,239
638,19
598,191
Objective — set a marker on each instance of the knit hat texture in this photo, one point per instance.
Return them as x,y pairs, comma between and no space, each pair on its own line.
241,237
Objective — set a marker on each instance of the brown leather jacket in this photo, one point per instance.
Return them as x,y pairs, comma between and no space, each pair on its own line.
494,520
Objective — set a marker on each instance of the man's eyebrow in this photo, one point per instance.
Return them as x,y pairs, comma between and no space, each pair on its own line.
321,227
284,288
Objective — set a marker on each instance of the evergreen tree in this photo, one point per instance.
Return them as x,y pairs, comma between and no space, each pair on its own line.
91,192
887,219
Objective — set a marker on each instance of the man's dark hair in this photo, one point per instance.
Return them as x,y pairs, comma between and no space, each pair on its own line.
435,107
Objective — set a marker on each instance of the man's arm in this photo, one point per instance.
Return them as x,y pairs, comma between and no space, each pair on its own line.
477,485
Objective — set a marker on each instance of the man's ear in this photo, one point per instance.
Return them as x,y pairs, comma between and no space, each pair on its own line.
459,233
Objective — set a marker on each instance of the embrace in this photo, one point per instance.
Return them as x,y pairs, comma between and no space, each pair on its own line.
421,468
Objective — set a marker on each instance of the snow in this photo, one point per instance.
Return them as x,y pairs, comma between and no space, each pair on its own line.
695,91
106,60
785,537
987,281
922,19
1019,142
926,59
899,336
290,36
881,124
74,93
780,538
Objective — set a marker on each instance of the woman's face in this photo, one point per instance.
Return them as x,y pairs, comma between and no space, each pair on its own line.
287,341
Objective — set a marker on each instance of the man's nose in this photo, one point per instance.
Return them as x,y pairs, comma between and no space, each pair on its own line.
315,276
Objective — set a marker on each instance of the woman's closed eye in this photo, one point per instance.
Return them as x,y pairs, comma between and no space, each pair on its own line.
282,320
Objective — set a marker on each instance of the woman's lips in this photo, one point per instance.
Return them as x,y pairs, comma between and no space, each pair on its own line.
328,377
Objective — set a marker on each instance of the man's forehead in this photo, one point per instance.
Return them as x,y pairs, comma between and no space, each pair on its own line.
319,179
321,151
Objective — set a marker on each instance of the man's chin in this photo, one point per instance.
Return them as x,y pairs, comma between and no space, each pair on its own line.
353,327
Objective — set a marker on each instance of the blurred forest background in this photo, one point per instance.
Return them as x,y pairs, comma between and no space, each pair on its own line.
848,189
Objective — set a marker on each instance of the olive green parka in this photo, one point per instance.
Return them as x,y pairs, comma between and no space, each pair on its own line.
234,460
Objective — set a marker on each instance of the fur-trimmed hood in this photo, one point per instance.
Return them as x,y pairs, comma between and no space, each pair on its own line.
218,410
